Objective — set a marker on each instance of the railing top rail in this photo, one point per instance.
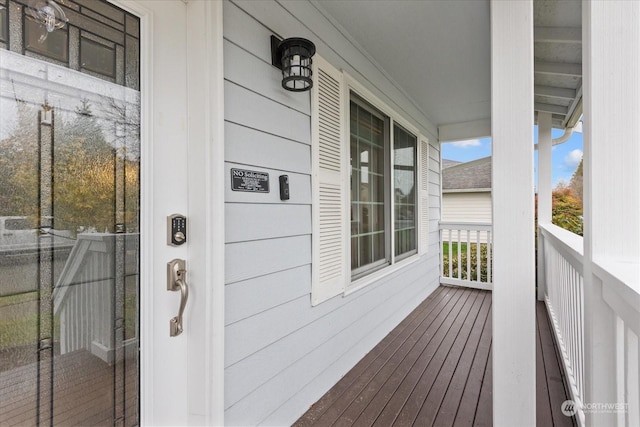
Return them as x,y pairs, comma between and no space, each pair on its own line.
622,292
473,226
568,243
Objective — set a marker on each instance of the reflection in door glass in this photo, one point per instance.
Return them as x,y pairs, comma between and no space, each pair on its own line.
69,217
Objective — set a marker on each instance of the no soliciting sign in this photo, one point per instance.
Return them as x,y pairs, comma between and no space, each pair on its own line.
246,180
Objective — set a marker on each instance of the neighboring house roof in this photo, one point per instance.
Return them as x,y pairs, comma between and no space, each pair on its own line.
446,163
471,176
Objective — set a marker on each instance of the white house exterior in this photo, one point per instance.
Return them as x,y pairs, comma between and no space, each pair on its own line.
285,296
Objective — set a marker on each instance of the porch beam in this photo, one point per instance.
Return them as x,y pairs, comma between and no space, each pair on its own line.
514,353
611,58
550,108
557,122
544,191
555,92
557,35
558,68
464,131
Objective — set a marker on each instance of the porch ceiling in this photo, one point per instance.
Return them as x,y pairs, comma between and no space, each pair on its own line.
439,52
558,60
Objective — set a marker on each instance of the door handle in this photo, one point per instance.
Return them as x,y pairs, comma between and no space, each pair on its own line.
177,281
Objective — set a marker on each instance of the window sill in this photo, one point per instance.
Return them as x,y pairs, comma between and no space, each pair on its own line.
363,282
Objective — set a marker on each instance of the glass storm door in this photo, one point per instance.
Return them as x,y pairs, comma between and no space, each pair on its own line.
70,215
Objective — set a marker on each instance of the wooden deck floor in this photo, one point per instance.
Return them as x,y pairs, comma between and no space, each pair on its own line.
84,391
435,369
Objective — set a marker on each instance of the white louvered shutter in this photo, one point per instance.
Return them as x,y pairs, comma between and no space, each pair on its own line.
329,192
424,195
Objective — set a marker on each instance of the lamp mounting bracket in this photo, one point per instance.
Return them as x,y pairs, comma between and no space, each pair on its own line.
276,54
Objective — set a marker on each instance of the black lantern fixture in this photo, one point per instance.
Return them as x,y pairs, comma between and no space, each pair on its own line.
293,57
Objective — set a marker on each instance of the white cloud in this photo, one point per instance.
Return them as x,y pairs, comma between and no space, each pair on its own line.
467,143
572,159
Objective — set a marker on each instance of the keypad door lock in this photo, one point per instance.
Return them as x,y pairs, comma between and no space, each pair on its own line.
176,230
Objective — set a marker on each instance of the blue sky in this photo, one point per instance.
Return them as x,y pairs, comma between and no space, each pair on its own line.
565,156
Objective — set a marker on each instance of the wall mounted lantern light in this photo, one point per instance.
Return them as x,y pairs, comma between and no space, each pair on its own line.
293,57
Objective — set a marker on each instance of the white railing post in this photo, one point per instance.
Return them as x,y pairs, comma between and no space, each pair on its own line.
544,190
611,66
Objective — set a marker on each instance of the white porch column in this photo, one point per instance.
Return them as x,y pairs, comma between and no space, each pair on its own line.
611,87
544,190
514,351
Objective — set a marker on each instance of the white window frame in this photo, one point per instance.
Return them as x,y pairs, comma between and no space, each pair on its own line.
331,257
365,270
350,86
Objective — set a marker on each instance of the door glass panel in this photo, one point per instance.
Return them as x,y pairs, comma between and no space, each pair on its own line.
69,219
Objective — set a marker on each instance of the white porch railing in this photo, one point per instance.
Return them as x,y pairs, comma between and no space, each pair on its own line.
617,325
466,255
563,272
620,301
91,295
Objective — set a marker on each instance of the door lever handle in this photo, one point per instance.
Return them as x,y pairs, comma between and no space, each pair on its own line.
176,281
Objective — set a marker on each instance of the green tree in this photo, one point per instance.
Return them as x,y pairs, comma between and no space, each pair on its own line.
88,173
19,165
566,209
84,185
576,181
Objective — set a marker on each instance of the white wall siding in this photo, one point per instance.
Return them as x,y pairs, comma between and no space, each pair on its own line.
282,354
466,207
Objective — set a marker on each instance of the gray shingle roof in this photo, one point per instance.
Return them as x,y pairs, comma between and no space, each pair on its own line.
470,175
446,163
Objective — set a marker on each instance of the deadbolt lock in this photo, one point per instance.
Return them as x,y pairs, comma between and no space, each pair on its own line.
176,229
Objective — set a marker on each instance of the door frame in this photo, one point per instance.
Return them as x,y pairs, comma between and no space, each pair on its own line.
205,91
205,81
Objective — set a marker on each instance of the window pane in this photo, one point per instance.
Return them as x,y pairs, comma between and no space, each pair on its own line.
366,250
3,23
378,219
354,252
367,187
364,124
54,45
376,163
97,58
404,187
378,245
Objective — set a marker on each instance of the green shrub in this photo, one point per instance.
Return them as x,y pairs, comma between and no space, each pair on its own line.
481,266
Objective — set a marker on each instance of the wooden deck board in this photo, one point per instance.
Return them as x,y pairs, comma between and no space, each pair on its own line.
469,401
435,369
451,398
430,324
83,390
543,411
405,372
553,371
452,344
484,411
375,359
397,401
